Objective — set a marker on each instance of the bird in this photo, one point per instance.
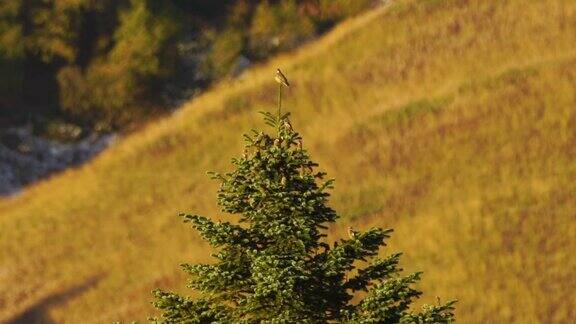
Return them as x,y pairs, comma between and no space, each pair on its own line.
287,125
263,140
281,78
351,232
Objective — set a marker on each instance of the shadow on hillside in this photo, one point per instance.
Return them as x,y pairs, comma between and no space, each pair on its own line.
38,313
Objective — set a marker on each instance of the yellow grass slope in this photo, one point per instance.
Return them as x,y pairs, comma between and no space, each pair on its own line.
454,122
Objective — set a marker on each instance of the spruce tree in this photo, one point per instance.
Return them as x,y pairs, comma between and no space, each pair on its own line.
273,265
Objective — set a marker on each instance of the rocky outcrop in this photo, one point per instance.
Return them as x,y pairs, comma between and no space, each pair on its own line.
25,158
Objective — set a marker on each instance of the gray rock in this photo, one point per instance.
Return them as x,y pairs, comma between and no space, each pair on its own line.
241,64
25,158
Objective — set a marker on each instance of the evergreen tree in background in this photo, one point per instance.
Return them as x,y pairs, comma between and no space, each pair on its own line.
109,64
274,265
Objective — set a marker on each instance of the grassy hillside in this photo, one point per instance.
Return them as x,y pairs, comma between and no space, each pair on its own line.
454,122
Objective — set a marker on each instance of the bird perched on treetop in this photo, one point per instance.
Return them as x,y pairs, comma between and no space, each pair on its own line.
287,125
281,78
351,233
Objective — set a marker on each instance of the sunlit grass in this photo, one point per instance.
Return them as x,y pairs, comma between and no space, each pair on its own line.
454,122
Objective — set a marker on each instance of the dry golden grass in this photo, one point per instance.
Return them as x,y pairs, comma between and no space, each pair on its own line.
453,122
